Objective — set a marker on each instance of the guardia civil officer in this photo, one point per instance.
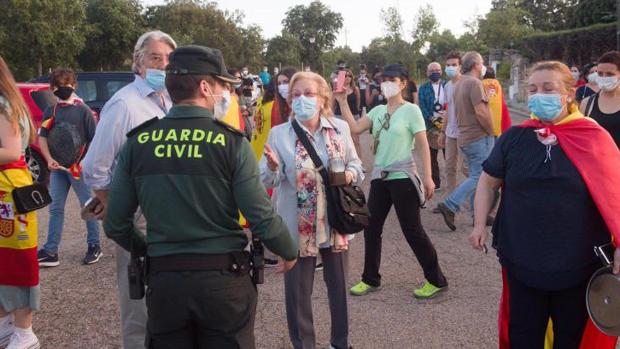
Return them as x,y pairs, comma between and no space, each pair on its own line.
191,175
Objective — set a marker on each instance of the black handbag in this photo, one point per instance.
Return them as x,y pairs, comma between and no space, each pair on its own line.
346,204
30,197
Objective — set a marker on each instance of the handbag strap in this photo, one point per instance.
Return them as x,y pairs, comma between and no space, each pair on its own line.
303,138
590,105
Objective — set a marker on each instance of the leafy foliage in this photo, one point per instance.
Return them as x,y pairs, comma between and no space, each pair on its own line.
315,26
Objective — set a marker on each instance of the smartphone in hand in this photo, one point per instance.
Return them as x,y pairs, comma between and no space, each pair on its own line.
88,211
342,74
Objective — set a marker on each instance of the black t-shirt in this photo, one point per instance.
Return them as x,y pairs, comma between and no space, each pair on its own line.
583,92
547,224
352,102
610,122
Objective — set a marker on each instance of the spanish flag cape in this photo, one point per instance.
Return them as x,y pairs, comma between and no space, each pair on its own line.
233,115
597,159
497,106
18,232
267,116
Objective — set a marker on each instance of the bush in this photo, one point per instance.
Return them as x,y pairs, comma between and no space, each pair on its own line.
574,46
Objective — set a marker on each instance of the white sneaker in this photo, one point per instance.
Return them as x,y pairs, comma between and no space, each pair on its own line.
24,339
6,331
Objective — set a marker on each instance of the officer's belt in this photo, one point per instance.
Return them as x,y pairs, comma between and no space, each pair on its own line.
235,262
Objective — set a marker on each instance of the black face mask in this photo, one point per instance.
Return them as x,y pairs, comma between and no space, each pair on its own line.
64,92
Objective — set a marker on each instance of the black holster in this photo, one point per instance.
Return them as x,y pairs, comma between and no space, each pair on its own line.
136,273
257,261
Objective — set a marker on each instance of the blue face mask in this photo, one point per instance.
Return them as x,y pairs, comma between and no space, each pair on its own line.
156,79
451,71
546,107
304,107
435,76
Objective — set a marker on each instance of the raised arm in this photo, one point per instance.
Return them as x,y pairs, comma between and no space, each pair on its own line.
357,127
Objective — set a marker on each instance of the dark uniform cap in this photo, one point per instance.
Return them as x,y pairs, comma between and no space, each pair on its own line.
199,60
396,71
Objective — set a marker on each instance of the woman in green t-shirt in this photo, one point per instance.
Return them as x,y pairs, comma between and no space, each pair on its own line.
394,181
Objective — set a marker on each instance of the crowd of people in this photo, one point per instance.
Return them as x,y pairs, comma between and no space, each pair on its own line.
217,142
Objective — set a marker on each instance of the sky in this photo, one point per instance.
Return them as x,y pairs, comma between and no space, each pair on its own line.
361,17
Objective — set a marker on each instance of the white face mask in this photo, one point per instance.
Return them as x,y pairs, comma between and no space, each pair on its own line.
607,83
390,89
575,75
221,108
483,72
283,90
593,77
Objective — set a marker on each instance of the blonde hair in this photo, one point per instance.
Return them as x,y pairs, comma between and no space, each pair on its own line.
564,70
16,108
325,109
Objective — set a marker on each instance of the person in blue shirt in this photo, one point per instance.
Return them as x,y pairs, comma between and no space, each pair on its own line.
432,96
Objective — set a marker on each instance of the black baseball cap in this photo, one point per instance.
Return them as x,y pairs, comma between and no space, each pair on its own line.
395,71
199,60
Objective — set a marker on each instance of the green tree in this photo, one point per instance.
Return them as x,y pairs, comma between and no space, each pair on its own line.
113,28
331,57
283,50
588,12
38,41
425,26
441,45
315,26
392,22
501,27
203,23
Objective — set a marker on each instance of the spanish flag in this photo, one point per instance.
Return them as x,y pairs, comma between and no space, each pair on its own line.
18,232
497,106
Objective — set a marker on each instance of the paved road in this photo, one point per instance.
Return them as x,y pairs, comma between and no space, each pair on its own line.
79,307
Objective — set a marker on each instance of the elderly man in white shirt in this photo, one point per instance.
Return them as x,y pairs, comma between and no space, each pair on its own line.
145,98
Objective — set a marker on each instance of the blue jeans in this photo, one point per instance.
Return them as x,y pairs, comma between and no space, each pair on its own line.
474,154
60,182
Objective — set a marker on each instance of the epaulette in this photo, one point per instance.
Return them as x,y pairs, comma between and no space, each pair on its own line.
141,126
229,128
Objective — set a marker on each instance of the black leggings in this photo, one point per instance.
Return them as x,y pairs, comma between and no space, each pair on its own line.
402,194
435,168
531,308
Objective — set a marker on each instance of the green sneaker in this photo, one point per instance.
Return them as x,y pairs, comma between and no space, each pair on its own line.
363,288
427,291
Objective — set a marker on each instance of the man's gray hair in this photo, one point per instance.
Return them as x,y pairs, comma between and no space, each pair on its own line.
145,39
469,61
428,67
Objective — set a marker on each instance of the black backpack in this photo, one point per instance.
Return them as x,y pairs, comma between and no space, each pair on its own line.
65,142
346,204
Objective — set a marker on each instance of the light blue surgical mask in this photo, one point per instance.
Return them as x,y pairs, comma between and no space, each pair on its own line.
546,107
156,79
305,108
451,71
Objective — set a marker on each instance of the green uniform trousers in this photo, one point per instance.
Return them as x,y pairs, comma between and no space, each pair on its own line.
200,310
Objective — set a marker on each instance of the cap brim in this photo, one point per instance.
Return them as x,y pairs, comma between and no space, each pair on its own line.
391,74
229,78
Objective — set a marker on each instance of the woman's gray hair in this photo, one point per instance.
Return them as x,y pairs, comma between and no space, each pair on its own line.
469,61
145,39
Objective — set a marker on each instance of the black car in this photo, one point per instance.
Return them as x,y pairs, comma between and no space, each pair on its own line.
96,88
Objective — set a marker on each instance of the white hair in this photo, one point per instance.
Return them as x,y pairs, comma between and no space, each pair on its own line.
469,61
145,39
430,65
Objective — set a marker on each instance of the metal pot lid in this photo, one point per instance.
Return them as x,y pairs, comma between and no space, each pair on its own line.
603,301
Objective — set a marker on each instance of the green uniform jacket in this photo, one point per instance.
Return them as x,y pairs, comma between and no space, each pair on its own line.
191,176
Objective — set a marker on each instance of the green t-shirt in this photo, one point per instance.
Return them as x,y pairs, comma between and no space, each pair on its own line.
396,143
